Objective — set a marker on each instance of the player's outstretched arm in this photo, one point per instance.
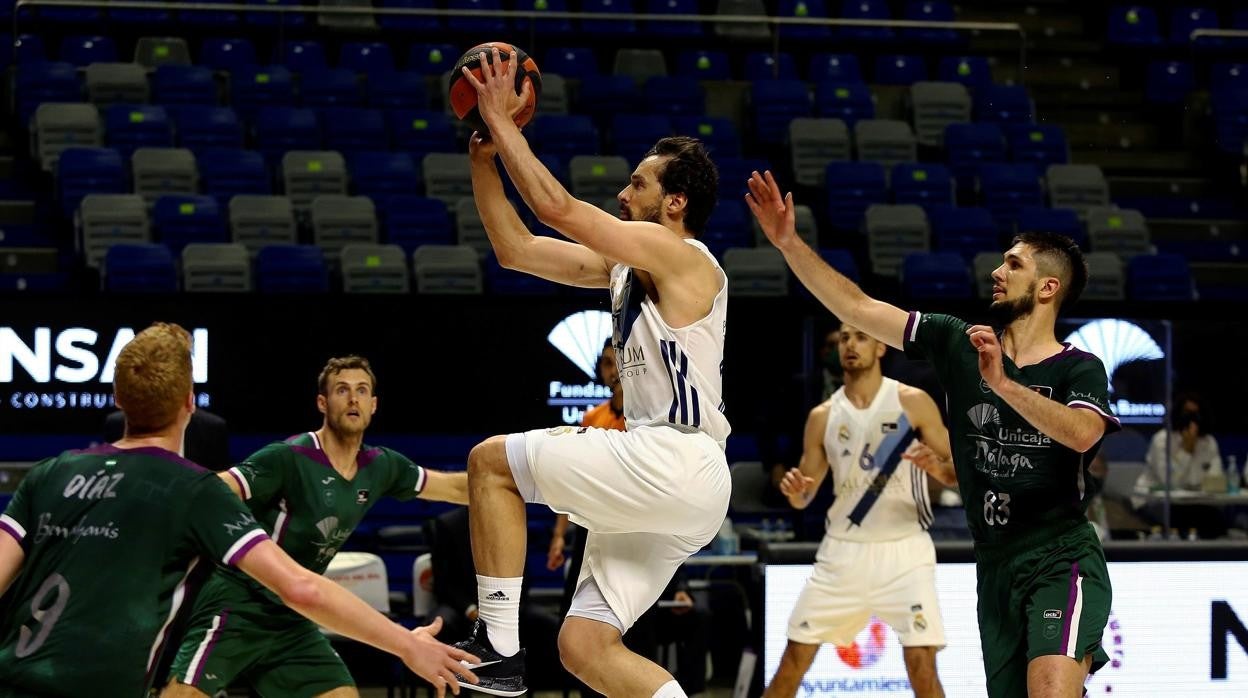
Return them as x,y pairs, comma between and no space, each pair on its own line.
445,487
637,244
514,245
329,605
775,214
932,454
801,483
11,558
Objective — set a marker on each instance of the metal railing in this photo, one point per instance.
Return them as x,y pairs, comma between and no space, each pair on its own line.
775,23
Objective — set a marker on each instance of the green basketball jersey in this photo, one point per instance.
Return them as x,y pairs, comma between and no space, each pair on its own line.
311,510
110,537
1014,480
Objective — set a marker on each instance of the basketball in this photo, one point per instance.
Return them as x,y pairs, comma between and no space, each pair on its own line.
463,96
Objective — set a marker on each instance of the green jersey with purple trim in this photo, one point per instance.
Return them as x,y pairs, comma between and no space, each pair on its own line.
309,508
1013,478
110,537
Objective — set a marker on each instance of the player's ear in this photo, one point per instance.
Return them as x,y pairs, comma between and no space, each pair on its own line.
321,403
880,349
374,408
190,401
1050,286
676,204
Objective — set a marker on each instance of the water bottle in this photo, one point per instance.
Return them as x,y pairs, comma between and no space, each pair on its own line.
723,540
1232,476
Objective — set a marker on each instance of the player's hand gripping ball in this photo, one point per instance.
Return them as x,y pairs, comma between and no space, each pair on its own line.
463,95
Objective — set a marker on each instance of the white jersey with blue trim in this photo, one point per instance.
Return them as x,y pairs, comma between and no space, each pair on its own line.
671,376
880,496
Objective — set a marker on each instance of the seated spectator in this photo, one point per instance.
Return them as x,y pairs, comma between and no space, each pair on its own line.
1194,456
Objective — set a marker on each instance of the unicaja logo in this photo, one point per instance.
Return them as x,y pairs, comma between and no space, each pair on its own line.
982,415
580,337
1115,343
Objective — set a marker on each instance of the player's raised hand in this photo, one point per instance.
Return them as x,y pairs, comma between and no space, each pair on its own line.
497,99
439,664
985,342
796,486
774,212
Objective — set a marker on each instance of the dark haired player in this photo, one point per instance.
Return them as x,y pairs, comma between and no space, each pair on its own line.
1027,415
650,496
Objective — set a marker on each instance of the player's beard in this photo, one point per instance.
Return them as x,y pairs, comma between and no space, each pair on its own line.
653,214
344,428
1006,311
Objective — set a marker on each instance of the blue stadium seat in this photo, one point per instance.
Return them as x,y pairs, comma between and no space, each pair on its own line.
433,59
137,16
765,65
1228,76
571,62
420,131
379,175
1038,144
1004,104
291,269
182,219
565,136
226,172
399,90
1006,189
288,20
865,9
1169,82
608,27
1063,221
183,84
1230,120
227,54
253,87
704,65
804,9
935,275
371,58
26,48
674,96
1160,277
84,50
352,129
965,231
719,134
37,83
544,26
733,174
81,16
210,19
930,11
336,87
972,71
773,104
969,146
200,127
852,187
82,171
673,30
305,56
412,221
841,260
925,184
1185,20
476,25
146,268
413,24
834,67
633,135
728,226
1133,25
507,282
848,102
605,96
132,126
900,70
281,129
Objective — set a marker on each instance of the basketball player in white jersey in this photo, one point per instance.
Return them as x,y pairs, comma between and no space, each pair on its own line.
882,440
650,496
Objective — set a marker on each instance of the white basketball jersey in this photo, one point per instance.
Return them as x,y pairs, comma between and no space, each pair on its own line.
880,496
671,377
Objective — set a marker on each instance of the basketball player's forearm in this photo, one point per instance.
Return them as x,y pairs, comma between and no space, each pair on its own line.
345,613
1073,428
843,297
537,186
504,228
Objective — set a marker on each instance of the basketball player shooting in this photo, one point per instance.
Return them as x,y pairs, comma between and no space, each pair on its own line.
650,496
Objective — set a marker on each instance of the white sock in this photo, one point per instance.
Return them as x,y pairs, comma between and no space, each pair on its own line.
671,689
498,604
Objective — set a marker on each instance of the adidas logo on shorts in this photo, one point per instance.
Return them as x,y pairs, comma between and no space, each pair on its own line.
498,596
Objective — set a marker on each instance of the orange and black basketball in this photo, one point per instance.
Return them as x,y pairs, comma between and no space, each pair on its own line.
464,98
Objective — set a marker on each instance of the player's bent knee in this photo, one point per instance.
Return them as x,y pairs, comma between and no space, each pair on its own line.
580,647
488,458
174,689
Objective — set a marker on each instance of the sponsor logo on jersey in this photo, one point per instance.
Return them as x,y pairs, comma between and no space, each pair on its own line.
332,538
842,433
916,608
983,386
361,496
1053,614
327,480
1023,437
244,522
983,414
1045,390
920,623
845,453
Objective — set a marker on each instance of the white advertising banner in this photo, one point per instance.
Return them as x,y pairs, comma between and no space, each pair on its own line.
1176,628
